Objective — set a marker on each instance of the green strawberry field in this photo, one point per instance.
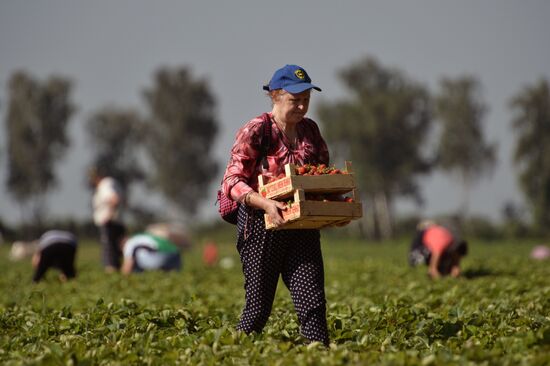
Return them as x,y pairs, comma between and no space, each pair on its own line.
380,312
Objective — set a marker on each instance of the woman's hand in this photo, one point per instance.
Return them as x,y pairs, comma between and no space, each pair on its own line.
271,207
455,271
434,273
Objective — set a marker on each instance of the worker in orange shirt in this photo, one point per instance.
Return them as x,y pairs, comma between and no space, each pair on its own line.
437,247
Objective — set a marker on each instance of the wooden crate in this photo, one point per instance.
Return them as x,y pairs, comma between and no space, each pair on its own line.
306,214
285,187
317,214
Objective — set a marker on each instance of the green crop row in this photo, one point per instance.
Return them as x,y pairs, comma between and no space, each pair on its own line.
380,312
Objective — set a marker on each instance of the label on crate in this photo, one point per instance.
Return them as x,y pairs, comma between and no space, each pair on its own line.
284,187
277,187
291,213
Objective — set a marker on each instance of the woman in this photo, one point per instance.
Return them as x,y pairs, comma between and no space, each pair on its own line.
107,204
293,254
158,248
56,249
437,247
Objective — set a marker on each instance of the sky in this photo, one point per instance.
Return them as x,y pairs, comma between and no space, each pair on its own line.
111,49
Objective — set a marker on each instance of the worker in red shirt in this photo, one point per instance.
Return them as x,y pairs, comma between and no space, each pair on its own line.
437,247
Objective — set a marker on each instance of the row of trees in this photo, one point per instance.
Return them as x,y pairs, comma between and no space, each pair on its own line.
36,125
168,147
385,125
392,128
174,140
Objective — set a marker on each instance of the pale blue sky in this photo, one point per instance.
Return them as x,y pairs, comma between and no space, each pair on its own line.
111,49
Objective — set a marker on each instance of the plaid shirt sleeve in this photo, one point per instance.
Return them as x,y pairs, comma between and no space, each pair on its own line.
242,162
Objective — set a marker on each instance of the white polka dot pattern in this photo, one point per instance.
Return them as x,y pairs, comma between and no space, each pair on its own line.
293,254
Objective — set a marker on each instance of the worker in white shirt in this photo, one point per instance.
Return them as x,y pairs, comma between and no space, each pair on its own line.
108,202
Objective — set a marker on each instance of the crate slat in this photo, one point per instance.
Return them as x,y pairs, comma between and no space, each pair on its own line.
318,214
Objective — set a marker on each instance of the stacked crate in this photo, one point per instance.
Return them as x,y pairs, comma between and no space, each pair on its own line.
308,214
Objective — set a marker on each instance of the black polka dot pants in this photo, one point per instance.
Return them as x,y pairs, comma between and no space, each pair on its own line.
293,254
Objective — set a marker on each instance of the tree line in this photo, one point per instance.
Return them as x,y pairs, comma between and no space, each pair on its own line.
391,126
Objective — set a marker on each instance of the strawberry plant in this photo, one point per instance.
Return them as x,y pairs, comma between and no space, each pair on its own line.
379,311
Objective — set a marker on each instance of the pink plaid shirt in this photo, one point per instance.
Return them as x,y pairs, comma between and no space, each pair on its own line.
241,174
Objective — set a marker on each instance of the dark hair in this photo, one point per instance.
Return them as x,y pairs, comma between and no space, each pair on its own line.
462,248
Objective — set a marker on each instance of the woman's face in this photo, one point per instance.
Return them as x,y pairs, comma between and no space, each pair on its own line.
292,108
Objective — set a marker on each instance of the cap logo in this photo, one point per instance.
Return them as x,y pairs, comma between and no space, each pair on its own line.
300,74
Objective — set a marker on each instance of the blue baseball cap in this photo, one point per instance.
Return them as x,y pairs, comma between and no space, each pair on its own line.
292,78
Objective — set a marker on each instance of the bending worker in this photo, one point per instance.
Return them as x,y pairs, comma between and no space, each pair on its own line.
158,248
436,246
56,249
